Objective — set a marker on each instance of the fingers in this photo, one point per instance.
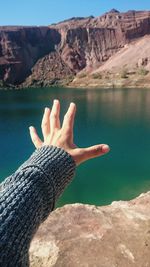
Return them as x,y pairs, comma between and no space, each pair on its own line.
45,125
34,137
64,137
68,122
93,152
54,116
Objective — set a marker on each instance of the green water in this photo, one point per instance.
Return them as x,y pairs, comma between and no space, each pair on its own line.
120,118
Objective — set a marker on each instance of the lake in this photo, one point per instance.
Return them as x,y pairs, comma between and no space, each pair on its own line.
118,117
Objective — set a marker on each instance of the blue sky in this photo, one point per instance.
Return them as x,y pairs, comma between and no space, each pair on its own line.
45,12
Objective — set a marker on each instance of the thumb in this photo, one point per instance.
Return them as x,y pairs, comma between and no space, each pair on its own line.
93,152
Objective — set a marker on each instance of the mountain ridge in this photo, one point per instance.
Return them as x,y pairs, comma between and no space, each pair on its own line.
58,53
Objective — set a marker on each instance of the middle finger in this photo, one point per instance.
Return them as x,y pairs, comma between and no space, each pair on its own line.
54,117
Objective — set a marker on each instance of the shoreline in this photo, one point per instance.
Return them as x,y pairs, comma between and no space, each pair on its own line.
88,82
82,87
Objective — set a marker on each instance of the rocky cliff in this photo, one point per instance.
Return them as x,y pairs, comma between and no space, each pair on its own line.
87,236
21,47
57,53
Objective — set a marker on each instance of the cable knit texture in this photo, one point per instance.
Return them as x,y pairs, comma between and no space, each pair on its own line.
27,198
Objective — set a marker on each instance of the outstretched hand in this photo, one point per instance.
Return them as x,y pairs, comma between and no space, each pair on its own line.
62,136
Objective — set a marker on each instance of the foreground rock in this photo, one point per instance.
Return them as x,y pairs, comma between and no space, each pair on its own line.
87,236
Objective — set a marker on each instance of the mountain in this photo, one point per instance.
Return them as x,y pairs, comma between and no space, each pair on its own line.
97,51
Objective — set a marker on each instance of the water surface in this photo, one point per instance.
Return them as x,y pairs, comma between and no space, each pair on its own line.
120,118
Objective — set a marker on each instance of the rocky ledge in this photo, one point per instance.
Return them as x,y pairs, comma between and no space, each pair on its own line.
80,235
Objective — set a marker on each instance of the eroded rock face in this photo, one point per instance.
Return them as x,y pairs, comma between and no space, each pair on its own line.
82,235
21,47
49,54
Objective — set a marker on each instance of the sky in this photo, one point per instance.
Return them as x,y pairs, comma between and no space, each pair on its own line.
45,12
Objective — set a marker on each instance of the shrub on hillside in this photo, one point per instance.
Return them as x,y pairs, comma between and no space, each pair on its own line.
142,71
1,83
124,73
97,76
82,75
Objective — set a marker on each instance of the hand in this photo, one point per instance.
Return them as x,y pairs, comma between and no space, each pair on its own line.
62,137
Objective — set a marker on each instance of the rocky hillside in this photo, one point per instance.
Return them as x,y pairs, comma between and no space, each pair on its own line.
82,235
70,49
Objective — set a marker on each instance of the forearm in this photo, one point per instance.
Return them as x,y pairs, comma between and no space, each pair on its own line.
29,198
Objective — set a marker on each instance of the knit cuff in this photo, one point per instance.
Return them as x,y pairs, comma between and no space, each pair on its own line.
56,163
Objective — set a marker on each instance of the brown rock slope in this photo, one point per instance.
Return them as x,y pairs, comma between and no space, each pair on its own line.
20,48
47,55
133,55
129,67
82,235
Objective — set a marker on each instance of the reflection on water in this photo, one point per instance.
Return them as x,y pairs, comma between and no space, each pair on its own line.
120,118
119,104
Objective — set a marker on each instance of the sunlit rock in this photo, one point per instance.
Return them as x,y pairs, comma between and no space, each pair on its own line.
80,235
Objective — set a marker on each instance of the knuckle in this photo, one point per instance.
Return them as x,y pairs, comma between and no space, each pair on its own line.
44,124
54,132
34,140
97,150
65,117
68,132
68,117
53,116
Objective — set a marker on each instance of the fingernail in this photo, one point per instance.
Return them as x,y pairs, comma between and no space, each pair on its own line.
72,104
46,109
105,148
31,128
55,101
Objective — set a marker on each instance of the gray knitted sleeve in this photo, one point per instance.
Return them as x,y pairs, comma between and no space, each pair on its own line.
27,198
